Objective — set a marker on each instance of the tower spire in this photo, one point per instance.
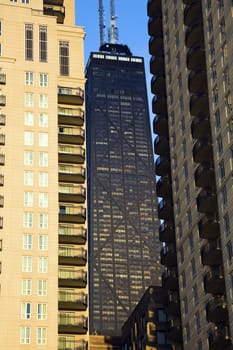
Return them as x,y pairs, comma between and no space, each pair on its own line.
101,23
113,31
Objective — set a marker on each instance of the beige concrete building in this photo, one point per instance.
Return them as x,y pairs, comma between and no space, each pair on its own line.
192,66
43,247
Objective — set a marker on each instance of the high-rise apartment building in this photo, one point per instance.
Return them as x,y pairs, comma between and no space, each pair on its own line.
192,50
43,249
123,224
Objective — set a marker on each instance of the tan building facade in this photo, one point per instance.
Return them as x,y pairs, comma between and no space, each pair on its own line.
43,246
192,49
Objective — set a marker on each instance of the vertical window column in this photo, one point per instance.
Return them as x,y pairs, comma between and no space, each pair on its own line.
43,45
28,42
64,57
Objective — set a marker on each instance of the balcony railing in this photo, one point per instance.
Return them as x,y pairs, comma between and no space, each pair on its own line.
2,119
70,324
69,255
65,343
71,278
70,95
2,100
2,78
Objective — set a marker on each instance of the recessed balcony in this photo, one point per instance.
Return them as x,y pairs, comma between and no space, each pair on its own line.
70,278
207,201
167,232
175,331
202,151
2,78
211,254
196,59
70,96
205,175
72,215
165,210
68,255
214,282
192,12
1,201
71,135
158,85
162,166
2,159
199,105
160,125
2,100
69,300
159,105
68,323
71,193
157,63
200,127
155,44
197,82
65,343
194,36
163,187
72,235
209,227
71,173
70,116
2,119
2,139
216,310
1,222
54,2
161,145
155,25
153,6
170,279
1,179
173,304
168,255
71,154
56,11
219,338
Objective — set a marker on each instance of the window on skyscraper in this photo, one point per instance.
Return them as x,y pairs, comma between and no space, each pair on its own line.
64,57
43,44
28,42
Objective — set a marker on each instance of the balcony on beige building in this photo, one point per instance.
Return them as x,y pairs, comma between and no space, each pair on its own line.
161,146
72,234
164,187
2,78
71,278
160,125
192,12
2,159
211,253
170,279
72,193
69,255
200,127
71,173
159,105
70,116
162,165
155,24
70,135
205,175
202,151
158,84
1,179
71,300
168,255
68,323
167,232
55,10
219,338
155,44
72,214
2,99
2,119
207,201
71,154
157,63
165,209
153,7
196,58
2,139
209,227
193,35
65,343
70,95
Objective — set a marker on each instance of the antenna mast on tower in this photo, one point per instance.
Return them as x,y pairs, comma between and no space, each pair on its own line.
101,22
113,31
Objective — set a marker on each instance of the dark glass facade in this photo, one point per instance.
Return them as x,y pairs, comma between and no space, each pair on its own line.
123,226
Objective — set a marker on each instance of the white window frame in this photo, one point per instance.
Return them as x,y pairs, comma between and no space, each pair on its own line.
28,220
43,220
26,263
42,288
43,159
28,138
42,311
28,199
28,118
26,310
29,99
43,120
29,78
43,101
28,178
43,79
43,179
27,241
43,264
43,242
43,200
25,335
26,287
28,157
43,139
41,336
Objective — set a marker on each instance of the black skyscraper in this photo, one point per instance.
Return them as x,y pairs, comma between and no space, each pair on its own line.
123,226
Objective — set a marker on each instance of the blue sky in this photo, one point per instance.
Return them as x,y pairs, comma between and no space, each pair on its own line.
132,26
